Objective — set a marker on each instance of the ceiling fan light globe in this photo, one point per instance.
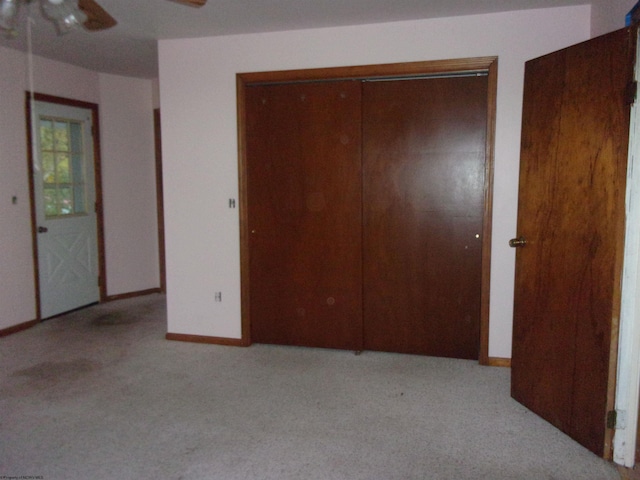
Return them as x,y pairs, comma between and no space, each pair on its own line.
68,23
63,27
59,10
8,14
79,17
64,13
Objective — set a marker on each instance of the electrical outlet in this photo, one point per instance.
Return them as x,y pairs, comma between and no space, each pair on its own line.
218,296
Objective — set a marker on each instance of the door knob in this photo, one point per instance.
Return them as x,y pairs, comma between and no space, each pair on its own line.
43,229
517,242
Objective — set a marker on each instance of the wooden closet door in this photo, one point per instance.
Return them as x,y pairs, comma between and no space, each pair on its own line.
424,162
304,213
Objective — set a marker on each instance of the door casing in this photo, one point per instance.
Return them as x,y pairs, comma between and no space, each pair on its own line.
488,65
29,97
626,442
157,137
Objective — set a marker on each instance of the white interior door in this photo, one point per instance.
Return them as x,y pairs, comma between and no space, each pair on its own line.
66,220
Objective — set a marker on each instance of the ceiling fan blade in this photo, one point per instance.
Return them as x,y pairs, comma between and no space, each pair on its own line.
192,3
97,17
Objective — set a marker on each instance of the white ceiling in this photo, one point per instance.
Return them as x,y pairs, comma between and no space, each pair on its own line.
130,48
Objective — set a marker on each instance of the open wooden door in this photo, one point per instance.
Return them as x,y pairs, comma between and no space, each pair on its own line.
571,214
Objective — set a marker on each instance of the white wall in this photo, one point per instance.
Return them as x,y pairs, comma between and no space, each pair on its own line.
17,286
609,15
128,177
17,290
198,97
16,257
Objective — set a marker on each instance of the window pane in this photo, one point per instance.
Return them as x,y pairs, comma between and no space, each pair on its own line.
65,201
46,134
48,168
62,168
61,136
50,203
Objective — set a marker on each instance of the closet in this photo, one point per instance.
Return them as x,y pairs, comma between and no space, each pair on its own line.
364,210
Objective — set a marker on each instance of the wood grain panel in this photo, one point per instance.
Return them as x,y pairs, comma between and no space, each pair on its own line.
571,212
424,166
304,214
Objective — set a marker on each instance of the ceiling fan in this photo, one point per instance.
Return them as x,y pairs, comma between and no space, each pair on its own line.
68,14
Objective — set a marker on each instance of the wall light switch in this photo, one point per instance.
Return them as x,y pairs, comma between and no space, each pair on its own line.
14,200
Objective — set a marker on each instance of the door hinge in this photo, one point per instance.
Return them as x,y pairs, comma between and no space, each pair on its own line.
612,417
631,93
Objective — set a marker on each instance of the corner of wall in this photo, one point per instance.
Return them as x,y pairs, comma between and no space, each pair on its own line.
609,15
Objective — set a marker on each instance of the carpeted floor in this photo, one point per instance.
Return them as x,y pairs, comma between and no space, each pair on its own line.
99,394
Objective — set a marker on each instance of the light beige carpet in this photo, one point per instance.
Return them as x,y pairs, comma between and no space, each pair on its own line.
99,394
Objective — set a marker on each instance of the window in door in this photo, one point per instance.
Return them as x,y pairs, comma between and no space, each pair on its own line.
62,153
